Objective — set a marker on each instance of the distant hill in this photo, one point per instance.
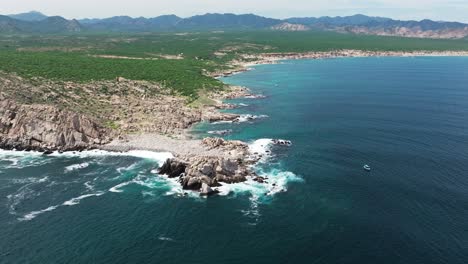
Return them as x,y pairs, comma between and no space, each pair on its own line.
227,21
48,25
8,24
35,22
126,24
29,16
337,21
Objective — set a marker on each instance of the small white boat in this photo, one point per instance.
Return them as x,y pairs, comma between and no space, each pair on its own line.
366,167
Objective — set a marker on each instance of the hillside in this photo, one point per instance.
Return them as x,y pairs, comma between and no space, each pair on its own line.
35,22
48,25
29,16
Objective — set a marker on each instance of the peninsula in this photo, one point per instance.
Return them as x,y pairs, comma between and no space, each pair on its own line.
122,93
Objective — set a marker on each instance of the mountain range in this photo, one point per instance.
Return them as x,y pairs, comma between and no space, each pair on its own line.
36,22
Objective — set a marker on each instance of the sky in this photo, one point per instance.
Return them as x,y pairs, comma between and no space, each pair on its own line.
448,10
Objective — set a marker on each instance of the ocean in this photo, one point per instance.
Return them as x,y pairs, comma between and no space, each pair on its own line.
407,118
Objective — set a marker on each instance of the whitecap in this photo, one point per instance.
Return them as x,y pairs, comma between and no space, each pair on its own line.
76,167
21,159
116,189
34,214
144,154
89,186
242,119
163,238
220,132
30,180
24,193
276,182
247,118
73,201
76,200
261,146
16,153
255,96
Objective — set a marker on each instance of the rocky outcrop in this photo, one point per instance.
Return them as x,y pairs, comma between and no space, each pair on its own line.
173,168
200,172
290,27
44,127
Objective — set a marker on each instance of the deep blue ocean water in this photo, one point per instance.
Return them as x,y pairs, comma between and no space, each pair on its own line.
405,117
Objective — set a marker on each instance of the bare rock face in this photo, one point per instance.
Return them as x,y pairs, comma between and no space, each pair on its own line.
290,27
172,168
44,127
198,171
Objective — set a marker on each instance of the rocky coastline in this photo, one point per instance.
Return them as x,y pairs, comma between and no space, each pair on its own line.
246,61
156,121
46,128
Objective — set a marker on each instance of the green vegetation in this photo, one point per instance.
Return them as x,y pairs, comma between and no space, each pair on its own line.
80,58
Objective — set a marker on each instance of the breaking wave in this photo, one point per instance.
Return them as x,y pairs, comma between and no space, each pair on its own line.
77,200
73,201
242,119
276,180
144,154
76,167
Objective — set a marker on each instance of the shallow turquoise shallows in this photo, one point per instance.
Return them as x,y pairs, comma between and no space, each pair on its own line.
407,118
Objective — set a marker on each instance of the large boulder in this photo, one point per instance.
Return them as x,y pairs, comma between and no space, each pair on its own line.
172,168
227,167
191,183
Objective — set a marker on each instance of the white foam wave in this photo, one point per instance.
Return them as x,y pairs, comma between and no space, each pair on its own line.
77,200
220,132
21,159
128,168
89,186
30,180
247,118
76,167
261,146
156,156
163,238
116,189
71,202
276,181
24,193
14,161
255,96
15,153
242,119
34,214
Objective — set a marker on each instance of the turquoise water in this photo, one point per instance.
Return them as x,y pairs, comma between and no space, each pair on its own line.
405,117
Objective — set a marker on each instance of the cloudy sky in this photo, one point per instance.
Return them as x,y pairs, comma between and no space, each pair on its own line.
449,10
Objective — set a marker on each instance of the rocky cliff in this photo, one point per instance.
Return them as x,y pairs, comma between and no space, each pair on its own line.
45,127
